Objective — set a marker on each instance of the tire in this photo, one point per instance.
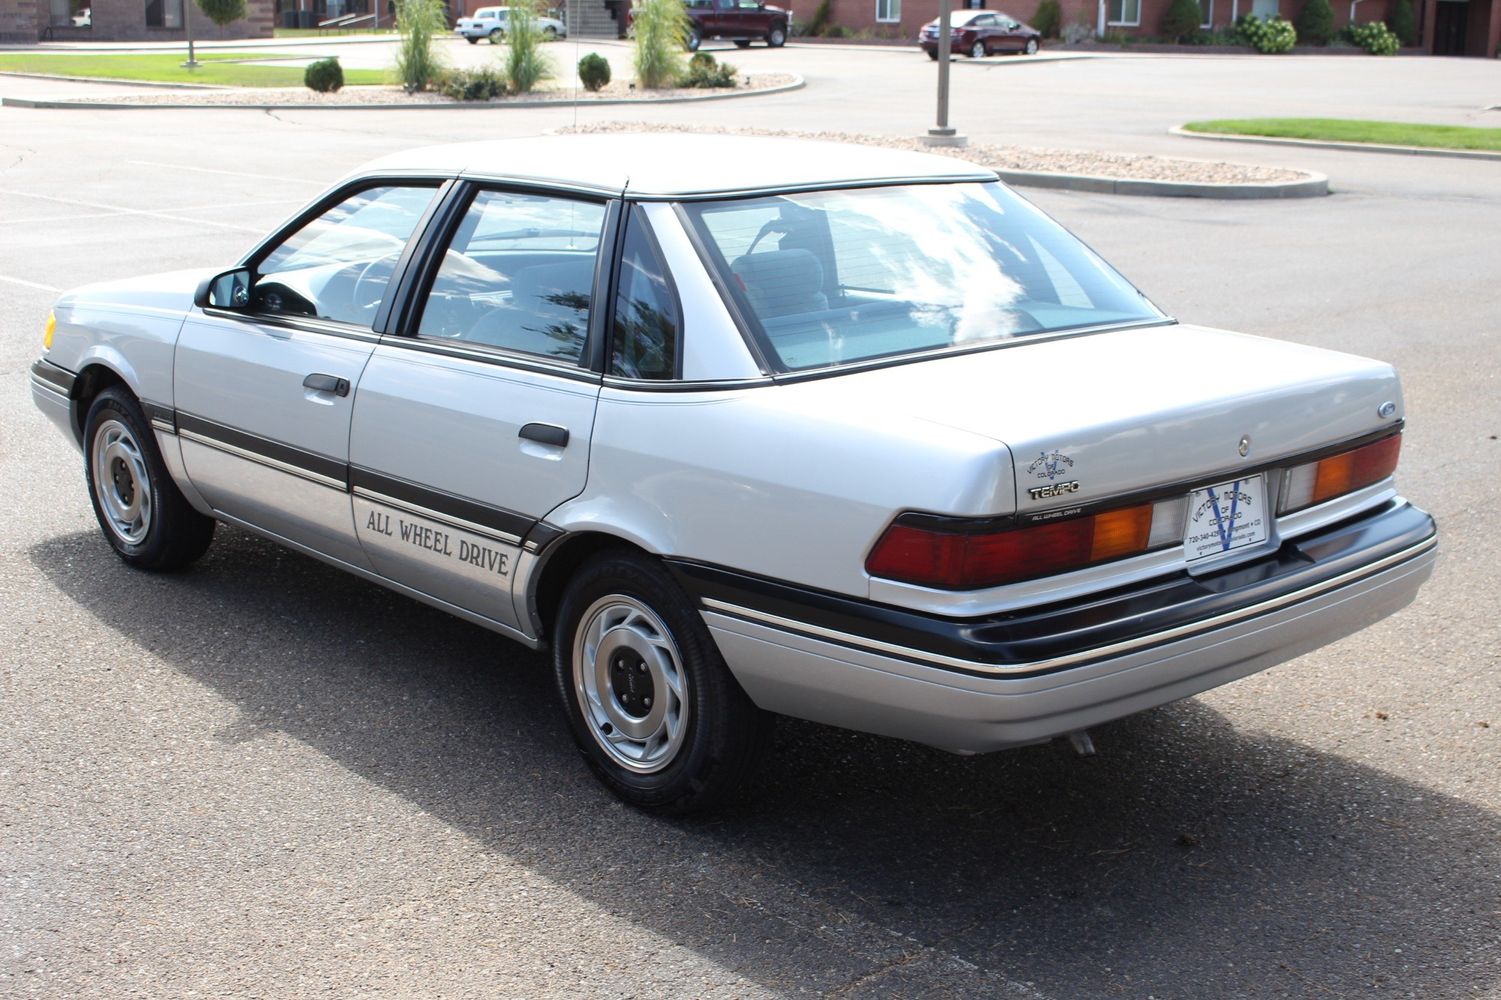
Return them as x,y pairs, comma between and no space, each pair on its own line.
694,40
496,36
472,40
549,34
652,706
742,43
977,51
144,517
1031,47
934,54
777,36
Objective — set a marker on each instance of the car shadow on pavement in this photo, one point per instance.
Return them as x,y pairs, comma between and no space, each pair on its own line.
1188,858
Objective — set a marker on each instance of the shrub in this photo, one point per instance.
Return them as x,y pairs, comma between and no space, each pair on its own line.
705,71
1375,38
222,12
1272,36
594,71
821,15
1181,20
417,65
1048,18
479,84
661,35
526,65
325,76
1403,23
1077,31
836,31
1316,22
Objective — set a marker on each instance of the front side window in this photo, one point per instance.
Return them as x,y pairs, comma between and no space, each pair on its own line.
518,275
888,11
647,324
839,277
1127,12
338,265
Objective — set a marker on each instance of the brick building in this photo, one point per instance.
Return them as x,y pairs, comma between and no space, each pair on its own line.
124,21
1449,27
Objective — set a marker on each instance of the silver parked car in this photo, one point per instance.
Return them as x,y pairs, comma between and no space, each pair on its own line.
743,426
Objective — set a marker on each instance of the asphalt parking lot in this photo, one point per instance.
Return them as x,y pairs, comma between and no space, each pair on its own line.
266,778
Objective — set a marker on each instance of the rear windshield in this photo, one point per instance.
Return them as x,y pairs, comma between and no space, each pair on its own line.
831,278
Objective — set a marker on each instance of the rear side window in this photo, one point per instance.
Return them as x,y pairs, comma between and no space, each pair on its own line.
647,331
518,275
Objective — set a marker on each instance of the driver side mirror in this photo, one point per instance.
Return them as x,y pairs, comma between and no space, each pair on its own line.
230,290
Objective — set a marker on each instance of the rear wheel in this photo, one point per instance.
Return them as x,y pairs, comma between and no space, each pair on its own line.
742,43
652,706
471,39
933,55
549,33
694,40
977,51
777,36
144,516
496,36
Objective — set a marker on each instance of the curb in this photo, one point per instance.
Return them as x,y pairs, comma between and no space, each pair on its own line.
27,102
1314,185
1362,147
148,84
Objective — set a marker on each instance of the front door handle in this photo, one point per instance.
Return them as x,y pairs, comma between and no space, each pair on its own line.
327,383
546,434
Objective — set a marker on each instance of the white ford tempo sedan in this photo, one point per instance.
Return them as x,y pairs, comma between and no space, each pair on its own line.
745,426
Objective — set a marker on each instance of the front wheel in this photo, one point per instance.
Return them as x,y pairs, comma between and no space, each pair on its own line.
471,39
145,518
549,33
652,706
694,40
495,36
1031,48
977,51
777,36
742,43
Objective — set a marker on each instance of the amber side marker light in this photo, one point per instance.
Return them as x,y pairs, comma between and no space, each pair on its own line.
1313,483
960,560
50,329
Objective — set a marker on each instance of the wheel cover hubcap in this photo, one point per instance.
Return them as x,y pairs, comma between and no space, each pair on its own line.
122,483
631,687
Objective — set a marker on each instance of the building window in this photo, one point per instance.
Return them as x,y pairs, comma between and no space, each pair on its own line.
1125,12
1264,8
888,11
164,13
1207,6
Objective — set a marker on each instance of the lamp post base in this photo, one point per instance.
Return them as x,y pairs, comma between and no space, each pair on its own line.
944,137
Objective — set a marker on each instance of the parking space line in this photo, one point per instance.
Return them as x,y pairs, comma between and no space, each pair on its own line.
122,210
229,173
37,219
29,284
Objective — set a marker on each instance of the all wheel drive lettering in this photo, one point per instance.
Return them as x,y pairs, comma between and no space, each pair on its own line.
439,541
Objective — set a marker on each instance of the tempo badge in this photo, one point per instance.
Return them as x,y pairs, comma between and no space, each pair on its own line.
1053,490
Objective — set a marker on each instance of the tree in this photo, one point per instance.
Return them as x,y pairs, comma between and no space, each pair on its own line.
1316,22
222,12
1402,22
1182,19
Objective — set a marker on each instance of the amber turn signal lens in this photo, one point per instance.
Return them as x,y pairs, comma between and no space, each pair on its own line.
50,329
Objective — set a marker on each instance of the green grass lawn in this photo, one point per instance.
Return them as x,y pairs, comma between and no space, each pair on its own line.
1349,130
325,33
167,68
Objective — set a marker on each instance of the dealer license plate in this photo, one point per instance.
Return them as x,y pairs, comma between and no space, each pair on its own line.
1225,517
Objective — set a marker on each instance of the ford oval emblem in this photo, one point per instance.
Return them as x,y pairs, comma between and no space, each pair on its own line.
1245,445
1387,411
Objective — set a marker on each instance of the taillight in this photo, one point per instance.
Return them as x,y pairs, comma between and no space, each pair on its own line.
954,559
1315,482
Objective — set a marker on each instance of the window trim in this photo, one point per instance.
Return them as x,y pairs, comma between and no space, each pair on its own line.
1124,23
893,11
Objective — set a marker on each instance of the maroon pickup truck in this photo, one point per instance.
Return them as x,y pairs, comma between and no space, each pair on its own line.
741,21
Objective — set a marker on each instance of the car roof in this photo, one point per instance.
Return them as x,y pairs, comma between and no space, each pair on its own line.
677,165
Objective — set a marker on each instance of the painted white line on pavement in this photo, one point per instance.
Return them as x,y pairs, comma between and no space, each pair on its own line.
122,210
229,173
30,284
54,220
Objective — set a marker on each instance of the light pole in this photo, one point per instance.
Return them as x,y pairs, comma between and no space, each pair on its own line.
187,25
942,134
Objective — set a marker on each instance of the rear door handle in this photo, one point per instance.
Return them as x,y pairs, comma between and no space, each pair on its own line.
327,383
546,434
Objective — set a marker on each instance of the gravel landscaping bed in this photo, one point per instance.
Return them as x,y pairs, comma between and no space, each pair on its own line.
385,96
1048,161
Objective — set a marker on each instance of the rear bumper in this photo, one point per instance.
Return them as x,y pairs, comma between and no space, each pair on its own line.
987,684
